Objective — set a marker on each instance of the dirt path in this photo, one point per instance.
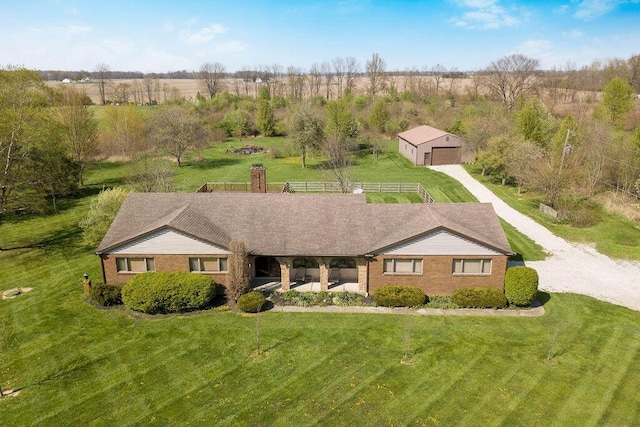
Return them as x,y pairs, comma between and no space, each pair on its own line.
571,267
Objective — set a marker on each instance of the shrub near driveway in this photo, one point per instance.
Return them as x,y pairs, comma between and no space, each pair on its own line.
521,285
155,293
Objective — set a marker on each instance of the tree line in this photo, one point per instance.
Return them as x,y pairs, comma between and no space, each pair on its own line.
507,114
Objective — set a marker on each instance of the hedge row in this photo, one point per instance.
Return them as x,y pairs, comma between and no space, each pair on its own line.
399,296
154,292
479,298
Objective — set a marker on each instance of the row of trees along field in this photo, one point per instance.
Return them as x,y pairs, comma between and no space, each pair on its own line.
555,132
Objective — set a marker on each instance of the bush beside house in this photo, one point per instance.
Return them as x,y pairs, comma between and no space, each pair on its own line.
479,298
399,296
521,285
106,295
154,292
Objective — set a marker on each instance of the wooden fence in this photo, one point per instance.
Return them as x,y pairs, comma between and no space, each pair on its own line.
324,187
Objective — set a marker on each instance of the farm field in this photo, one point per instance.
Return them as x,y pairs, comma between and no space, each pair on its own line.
73,363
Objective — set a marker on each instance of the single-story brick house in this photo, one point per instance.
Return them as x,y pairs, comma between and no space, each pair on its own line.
437,247
428,146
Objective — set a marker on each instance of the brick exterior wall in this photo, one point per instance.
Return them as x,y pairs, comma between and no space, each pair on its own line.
437,277
165,263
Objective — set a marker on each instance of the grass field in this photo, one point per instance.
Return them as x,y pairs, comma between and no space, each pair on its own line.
613,235
75,364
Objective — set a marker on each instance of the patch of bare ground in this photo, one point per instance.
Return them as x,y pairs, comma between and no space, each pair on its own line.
9,393
621,204
15,292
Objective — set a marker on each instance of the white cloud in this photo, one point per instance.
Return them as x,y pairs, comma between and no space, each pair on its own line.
591,9
484,14
203,35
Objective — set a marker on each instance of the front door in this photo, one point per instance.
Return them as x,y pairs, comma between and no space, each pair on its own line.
427,159
267,266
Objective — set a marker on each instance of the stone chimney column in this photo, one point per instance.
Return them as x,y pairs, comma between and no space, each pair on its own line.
258,179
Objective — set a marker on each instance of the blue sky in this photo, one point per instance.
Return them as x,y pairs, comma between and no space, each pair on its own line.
157,36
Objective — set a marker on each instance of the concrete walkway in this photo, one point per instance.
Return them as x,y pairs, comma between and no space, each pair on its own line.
570,267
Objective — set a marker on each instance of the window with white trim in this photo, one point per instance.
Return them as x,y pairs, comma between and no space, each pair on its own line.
402,266
471,266
135,265
208,265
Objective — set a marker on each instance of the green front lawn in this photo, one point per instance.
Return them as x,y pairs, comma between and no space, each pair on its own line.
75,364
613,235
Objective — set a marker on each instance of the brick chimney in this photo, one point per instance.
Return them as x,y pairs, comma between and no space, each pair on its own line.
258,178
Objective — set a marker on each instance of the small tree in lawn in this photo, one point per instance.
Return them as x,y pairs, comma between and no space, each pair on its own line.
239,275
101,213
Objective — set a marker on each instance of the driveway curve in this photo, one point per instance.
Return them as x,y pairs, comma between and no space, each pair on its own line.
570,267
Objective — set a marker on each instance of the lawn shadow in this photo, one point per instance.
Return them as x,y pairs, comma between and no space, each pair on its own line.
543,297
214,163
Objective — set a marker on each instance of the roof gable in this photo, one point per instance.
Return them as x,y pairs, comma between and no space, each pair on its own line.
167,241
439,242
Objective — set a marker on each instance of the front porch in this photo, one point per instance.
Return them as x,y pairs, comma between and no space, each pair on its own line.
275,285
310,274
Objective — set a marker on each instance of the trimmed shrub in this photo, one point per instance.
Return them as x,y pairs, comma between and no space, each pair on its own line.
176,292
106,295
251,302
479,298
399,296
521,285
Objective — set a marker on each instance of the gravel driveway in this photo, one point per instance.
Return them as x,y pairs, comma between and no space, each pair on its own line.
571,267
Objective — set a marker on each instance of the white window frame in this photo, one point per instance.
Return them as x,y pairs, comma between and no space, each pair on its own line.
200,265
393,266
462,261
149,263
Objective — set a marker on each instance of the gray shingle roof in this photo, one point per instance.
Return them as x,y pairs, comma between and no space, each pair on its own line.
299,224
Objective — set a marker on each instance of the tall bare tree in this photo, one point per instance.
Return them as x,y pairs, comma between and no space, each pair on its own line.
295,78
327,77
79,129
148,83
339,69
437,73
102,73
351,71
511,77
376,69
211,75
314,79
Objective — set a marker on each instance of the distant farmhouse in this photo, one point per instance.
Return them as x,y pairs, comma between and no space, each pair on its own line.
428,146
